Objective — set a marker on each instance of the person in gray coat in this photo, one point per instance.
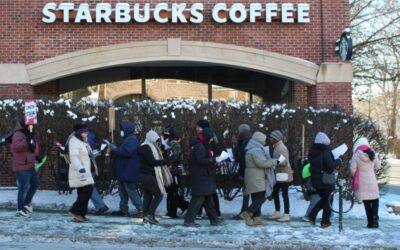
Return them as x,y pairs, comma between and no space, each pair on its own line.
259,177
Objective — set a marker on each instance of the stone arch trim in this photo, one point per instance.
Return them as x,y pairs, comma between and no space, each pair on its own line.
173,50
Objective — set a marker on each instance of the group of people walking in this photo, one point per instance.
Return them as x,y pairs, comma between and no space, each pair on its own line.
157,164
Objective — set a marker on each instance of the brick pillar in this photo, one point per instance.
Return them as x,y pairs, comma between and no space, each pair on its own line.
300,94
331,95
16,91
48,89
312,96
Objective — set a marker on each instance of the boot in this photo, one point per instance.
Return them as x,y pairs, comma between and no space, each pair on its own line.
247,217
375,222
258,221
275,216
284,218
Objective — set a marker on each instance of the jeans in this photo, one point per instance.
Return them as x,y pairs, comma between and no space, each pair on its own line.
314,198
128,190
96,199
195,204
285,194
257,199
27,183
80,206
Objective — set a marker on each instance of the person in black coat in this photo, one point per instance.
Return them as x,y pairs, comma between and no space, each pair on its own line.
321,159
150,158
202,180
240,157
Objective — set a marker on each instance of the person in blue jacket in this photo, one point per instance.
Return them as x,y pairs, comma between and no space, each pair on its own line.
127,168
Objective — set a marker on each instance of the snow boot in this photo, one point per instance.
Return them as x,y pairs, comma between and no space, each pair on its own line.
258,221
375,222
275,216
77,218
326,225
284,218
247,217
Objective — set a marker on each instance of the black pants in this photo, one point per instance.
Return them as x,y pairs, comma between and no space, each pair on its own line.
257,199
80,207
152,196
371,209
195,204
285,194
323,203
245,203
174,200
216,204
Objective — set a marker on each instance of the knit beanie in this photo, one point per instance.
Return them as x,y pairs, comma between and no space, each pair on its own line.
243,128
80,128
322,138
208,134
203,124
277,135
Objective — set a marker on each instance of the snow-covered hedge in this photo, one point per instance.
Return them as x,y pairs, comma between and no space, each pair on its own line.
57,116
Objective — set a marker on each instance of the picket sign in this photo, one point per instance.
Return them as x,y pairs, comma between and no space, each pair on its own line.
30,112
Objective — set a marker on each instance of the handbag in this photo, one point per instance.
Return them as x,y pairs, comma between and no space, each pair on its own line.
327,178
282,177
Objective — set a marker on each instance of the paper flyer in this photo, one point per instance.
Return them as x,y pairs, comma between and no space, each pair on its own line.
341,150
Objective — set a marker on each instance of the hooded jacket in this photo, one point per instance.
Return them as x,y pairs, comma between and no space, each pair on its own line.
127,163
368,187
257,161
23,158
280,149
79,157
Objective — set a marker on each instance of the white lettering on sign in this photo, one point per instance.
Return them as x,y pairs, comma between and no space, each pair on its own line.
287,13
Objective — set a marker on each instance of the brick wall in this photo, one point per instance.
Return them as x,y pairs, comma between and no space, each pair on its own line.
47,89
331,95
25,39
16,90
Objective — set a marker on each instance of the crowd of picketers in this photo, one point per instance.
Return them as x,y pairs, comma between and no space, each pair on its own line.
157,163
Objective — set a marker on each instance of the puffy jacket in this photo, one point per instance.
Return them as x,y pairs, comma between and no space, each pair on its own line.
368,186
321,154
78,152
202,170
23,159
127,162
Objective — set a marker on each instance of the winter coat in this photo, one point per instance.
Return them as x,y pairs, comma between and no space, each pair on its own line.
368,187
202,170
78,152
257,161
127,162
280,149
240,154
148,161
23,159
321,153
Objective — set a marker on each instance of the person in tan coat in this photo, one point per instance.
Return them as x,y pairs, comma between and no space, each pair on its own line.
79,174
284,175
259,178
363,166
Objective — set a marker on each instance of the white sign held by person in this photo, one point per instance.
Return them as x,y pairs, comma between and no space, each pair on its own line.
30,112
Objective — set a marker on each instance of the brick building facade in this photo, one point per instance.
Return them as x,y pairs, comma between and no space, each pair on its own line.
39,59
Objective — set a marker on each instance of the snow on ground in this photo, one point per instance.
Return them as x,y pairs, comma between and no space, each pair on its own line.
47,230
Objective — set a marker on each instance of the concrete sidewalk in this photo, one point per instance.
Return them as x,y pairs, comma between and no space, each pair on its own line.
55,228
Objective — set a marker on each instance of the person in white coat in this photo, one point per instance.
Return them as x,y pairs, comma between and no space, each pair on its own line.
79,175
363,165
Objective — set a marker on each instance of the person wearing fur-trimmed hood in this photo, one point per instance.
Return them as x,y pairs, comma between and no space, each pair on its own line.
154,175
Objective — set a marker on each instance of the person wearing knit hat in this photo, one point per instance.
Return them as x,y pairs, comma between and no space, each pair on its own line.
321,160
284,175
239,152
364,165
79,174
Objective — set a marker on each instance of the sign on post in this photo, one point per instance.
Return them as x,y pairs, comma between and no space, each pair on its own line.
30,112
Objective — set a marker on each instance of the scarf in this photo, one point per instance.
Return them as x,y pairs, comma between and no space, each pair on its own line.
163,175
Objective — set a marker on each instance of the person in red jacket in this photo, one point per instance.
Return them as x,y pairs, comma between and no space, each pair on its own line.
25,150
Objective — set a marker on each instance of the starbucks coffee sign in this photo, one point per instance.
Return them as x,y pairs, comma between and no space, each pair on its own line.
288,13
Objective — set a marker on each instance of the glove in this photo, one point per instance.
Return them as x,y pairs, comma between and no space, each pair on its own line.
113,147
340,158
218,159
277,162
82,171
